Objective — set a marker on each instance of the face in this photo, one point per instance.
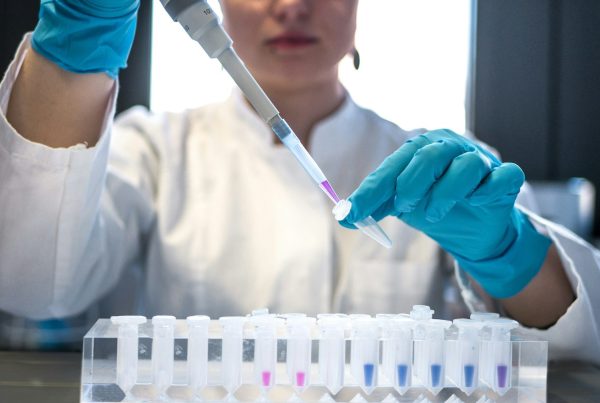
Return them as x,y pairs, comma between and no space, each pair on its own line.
291,42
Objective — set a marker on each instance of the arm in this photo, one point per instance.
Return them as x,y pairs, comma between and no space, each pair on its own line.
550,288
66,80
55,107
60,213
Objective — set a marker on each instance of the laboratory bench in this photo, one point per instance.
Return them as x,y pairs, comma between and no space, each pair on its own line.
53,377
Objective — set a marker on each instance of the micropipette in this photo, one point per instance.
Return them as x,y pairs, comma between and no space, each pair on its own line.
202,25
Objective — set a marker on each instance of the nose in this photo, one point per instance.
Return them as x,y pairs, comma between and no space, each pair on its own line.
291,10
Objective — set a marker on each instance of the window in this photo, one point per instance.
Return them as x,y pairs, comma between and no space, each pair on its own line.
414,63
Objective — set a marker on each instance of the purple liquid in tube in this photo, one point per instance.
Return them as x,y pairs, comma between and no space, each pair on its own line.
326,186
502,375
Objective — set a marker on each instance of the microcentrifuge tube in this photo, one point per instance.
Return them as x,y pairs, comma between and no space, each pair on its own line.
434,358
367,226
231,354
265,350
397,354
501,357
421,314
197,351
468,354
384,321
332,351
298,353
163,346
127,350
485,353
365,353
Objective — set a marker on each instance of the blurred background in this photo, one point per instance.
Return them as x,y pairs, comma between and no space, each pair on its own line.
523,76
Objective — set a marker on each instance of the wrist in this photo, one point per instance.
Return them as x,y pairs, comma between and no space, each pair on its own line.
505,275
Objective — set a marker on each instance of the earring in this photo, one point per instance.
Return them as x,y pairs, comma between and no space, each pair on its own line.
356,58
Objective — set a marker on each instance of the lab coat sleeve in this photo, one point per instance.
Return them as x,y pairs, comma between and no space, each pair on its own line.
68,226
576,335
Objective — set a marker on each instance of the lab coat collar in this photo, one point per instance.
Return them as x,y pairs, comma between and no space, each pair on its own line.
345,116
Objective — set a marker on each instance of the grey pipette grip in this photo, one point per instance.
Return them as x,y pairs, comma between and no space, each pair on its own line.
202,25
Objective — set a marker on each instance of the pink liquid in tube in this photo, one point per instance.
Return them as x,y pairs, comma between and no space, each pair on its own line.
266,378
300,378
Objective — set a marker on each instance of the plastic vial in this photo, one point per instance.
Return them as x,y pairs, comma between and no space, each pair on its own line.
265,350
197,351
163,345
433,373
365,352
421,314
127,350
355,364
501,354
231,354
468,354
485,353
332,350
384,320
298,353
397,354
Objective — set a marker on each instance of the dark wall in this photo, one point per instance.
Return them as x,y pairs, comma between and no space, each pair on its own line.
18,17
537,86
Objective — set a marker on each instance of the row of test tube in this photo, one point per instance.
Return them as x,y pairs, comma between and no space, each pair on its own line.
403,351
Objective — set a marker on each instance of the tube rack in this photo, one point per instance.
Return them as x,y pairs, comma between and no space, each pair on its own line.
334,358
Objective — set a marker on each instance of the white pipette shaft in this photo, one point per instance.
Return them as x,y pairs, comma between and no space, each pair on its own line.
202,25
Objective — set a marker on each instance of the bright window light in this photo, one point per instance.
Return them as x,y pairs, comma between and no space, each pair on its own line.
414,63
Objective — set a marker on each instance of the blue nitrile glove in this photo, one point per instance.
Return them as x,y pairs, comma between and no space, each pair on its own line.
86,36
463,197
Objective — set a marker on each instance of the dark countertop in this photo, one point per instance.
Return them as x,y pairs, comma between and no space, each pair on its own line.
54,377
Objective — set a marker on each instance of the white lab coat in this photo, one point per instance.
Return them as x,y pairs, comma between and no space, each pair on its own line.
222,220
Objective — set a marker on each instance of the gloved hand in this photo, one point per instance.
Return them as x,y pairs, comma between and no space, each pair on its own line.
86,36
462,196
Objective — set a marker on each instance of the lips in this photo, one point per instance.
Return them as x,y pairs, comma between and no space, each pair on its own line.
291,40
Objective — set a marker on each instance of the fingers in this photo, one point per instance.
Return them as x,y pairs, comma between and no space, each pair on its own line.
502,184
462,177
427,166
380,185
417,168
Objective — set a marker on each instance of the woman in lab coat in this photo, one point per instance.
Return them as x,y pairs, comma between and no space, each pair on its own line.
218,216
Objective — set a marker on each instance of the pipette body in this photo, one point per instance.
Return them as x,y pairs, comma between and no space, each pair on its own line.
202,25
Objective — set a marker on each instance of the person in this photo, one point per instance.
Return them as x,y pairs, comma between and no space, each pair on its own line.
221,219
